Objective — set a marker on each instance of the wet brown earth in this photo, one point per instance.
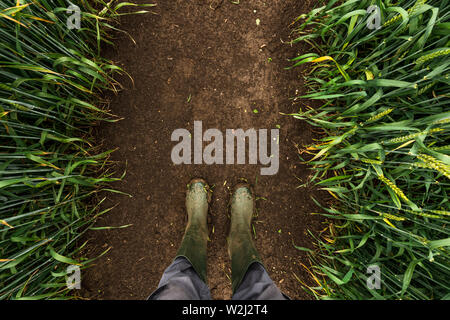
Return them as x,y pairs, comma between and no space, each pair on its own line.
223,64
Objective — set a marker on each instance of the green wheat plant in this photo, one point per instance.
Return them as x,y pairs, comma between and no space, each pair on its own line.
383,156
52,79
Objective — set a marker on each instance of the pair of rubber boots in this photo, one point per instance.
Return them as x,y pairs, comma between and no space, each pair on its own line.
240,245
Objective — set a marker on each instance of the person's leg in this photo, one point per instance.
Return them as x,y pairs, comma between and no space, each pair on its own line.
185,278
250,280
181,282
257,285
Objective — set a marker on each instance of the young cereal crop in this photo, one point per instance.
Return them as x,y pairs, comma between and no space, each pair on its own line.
384,156
51,80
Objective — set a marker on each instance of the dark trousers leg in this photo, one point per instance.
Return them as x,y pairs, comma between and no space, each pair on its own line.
257,285
181,282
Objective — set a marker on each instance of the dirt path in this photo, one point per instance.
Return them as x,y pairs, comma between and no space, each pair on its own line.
192,62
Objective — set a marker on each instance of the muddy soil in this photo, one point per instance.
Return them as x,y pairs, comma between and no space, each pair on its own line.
223,64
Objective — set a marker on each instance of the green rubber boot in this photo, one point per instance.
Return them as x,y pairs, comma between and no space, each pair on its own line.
240,245
193,246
